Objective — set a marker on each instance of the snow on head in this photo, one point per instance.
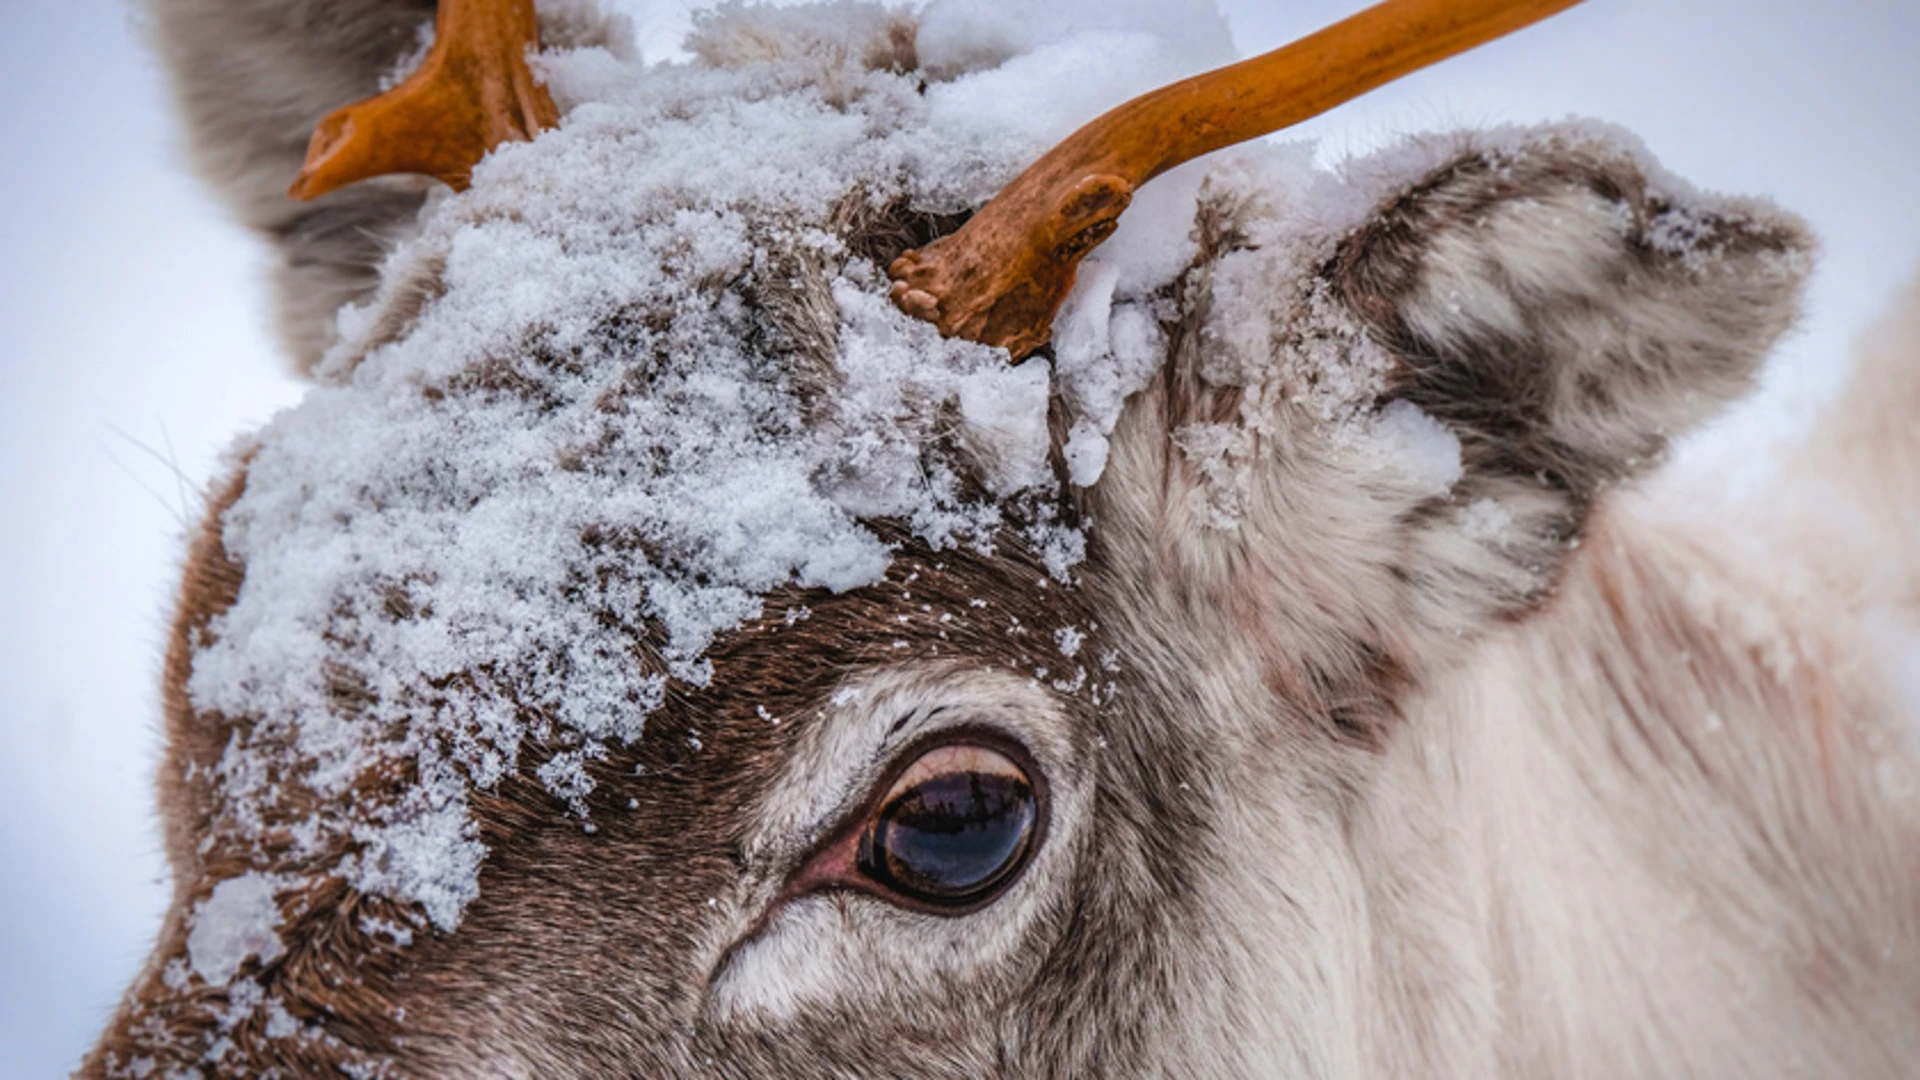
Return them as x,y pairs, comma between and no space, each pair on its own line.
646,371
653,376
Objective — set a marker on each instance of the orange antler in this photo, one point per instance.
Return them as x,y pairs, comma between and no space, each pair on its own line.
473,92
1001,278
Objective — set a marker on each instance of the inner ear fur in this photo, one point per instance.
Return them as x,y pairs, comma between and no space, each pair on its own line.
1566,309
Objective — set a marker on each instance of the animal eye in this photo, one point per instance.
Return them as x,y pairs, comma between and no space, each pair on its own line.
954,830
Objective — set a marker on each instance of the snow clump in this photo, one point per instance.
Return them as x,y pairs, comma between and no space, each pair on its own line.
237,922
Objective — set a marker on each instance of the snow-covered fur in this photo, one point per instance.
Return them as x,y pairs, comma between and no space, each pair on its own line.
1388,727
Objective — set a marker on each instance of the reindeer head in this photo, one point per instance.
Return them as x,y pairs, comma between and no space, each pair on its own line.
647,652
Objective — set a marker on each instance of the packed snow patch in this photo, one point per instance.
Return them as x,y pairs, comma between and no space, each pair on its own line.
1404,440
238,922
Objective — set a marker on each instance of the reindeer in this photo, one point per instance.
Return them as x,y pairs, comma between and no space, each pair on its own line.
1321,694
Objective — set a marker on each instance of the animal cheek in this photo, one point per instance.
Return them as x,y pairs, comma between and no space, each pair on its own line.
772,975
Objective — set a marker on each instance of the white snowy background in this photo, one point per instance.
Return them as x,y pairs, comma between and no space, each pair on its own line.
133,347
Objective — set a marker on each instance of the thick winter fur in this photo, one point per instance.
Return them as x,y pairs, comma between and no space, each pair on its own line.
1520,778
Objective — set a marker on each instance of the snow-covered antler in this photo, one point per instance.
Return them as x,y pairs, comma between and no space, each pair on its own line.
1000,279
473,92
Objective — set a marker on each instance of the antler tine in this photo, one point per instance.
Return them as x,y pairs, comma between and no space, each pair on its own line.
1001,277
473,92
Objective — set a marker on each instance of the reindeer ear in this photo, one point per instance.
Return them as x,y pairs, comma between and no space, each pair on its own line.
1565,309
252,78
1550,302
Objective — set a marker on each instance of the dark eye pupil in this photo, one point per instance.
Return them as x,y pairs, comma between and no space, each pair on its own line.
952,839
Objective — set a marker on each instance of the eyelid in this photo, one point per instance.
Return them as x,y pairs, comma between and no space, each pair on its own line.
954,757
